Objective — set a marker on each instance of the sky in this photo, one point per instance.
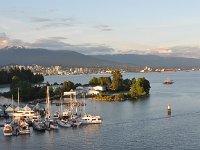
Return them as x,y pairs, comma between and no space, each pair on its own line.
161,27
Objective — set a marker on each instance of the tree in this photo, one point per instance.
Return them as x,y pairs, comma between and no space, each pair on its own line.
127,84
105,81
58,91
139,87
77,84
94,81
143,86
146,85
67,86
116,81
133,90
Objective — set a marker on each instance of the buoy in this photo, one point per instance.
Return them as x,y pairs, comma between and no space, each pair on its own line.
169,109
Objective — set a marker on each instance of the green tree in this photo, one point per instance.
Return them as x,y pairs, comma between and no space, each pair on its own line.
67,86
143,86
117,81
105,81
127,84
58,91
94,81
24,88
139,87
133,90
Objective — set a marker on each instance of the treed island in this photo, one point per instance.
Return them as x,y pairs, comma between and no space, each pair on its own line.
115,88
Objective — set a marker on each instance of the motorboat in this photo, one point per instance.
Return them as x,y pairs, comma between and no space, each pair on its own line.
7,129
168,81
64,123
56,116
74,122
39,126
24,127
51,125
90,119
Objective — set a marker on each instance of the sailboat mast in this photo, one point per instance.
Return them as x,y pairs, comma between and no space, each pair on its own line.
84,105
61,104
76,103
47,103
18,98
12,104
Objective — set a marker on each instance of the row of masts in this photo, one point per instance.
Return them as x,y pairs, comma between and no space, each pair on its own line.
17,99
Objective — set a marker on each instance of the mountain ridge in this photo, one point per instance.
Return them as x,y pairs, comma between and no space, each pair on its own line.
28,56
24,56
151,60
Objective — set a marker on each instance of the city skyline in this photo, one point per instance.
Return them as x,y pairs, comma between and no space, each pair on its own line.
159,27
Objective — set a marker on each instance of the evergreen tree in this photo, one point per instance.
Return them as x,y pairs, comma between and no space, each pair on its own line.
117,81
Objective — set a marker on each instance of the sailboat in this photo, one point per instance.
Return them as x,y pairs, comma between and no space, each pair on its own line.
62,116
90,119
50,124
23,113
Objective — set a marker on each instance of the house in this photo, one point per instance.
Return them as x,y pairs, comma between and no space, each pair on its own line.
99,88
89,90
92,92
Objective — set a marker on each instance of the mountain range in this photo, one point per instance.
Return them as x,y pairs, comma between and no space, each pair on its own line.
27,56
24,56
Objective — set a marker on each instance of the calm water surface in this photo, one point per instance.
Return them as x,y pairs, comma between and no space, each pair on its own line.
142,124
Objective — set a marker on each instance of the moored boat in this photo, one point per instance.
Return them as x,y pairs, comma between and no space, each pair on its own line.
90,119
24,127
168,81
39,126
169,109
63,123
7,129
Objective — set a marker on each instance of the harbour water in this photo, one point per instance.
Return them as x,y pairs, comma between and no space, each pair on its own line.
141,124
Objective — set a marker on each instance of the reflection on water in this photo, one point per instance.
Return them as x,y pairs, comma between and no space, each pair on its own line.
91,128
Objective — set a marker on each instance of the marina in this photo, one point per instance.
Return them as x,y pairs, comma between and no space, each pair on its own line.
141,124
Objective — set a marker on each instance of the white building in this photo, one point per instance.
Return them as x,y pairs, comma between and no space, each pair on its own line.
89,90
99,88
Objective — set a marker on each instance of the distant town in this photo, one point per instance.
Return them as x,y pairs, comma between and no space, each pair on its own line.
60,70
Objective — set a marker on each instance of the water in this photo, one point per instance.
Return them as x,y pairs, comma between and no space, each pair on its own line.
141,124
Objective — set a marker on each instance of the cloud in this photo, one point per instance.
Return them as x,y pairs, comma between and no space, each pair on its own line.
104,27
186,51
164,51
45,23
55,43
59,43
48,43
68,19
58,38
39,19
4,40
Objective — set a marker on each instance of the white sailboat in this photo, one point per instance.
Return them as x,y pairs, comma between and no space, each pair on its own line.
50,124
25,113
90,119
